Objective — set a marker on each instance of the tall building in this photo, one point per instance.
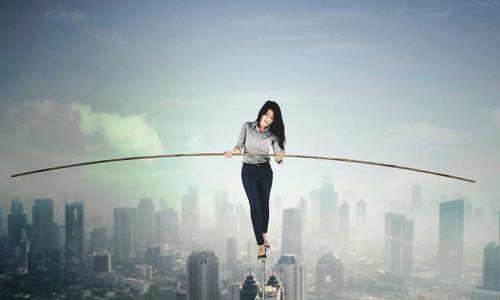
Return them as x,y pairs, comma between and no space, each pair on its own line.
166,225
203,276
329,276
124,232
344,220
250,288
16,221
2,229
44,230
293,277
191,212
101,261
361,214
327,208
98,239
491,267
146,223
451,237
225,218
232,253
398,244
74,244
291,242
233,291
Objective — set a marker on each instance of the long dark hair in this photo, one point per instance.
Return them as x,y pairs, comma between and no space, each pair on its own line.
277,127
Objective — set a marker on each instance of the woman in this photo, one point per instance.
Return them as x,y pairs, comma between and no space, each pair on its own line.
257,176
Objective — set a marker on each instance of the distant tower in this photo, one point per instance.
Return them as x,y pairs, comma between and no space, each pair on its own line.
491,267
124,232
74,250
191,213
327,208
250,288
44,228
101,261
146,222
232,253
329,276
16,222
451,237
203,276
344,220
292,232
166,225
293,276
98,239
361,214
398,244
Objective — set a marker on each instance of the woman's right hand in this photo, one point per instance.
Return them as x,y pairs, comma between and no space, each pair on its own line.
229,154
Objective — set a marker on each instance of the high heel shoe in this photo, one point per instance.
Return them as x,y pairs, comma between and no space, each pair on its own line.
267,246
262,257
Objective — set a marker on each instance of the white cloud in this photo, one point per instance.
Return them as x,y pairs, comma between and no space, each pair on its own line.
127,134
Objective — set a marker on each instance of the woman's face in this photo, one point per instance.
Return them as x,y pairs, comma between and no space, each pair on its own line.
267,119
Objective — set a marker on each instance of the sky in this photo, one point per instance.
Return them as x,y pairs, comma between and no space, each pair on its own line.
410,83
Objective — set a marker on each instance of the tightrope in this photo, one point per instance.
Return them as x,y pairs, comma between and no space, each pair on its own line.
248,154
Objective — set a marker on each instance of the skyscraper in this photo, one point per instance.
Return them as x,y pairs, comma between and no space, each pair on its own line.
329,276
124,232
398,244
344,220
98,239
166,225
225,218
250,288
491,267
191,212
293,277
74,251
2,229
361,214
291,232
44,232
232,253
327,208
146,223
16,222
203,276
451,236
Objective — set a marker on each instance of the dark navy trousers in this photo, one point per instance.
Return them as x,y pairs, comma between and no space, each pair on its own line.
257,181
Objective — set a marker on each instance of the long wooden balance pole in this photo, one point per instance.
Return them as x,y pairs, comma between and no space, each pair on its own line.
248,154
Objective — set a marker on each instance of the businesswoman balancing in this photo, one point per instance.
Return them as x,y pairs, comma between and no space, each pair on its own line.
256,173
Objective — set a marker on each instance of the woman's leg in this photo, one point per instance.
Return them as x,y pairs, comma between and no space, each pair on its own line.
265,184
252,190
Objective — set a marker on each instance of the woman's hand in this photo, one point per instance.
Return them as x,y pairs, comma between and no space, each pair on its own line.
229,154
280,156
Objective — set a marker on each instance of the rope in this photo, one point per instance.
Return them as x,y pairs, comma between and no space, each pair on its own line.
248,154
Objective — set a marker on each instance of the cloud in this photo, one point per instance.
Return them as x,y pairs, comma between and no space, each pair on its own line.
428,133
126,134
49,129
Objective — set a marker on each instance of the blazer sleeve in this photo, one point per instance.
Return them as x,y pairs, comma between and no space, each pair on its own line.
276,148
241,137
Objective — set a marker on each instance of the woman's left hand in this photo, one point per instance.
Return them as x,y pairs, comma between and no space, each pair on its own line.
280,155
